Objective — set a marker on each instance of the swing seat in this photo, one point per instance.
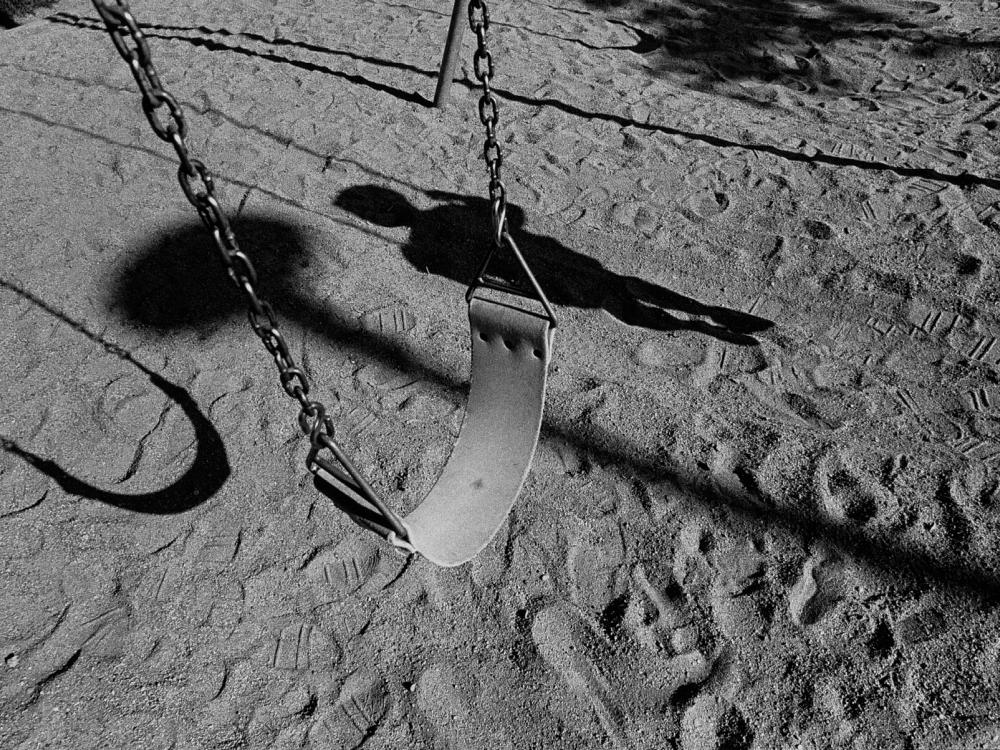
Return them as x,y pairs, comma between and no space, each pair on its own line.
511,349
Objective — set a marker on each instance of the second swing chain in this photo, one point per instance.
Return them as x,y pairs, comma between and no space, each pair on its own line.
489,115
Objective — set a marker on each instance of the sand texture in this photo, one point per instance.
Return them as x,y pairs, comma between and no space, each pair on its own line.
764,513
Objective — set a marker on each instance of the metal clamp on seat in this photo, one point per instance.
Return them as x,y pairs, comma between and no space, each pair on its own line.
352,494
483,280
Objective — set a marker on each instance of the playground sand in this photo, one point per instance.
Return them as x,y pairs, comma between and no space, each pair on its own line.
764,509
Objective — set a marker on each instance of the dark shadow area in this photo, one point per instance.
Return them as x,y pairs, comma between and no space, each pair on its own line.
279,248
177,285
178,282
14,12
206,475
450,240
772,41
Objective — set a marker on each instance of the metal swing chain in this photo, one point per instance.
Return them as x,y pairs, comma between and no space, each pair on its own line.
489,115
199,188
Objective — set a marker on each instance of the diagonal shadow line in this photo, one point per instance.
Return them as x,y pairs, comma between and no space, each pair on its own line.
213,45
964,179
282,140
96,24
207,473
906,558
232,180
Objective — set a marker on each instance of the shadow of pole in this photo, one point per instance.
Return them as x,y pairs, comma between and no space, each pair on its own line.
203,478
214,45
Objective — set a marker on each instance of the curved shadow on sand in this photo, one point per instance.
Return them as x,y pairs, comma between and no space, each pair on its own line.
450,239
181,265
203,478
205,41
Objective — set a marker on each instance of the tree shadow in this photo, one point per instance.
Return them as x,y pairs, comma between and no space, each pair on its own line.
449,240
771,41
14,13
203,478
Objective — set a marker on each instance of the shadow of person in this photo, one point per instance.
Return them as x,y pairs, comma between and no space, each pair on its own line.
178,283
450,239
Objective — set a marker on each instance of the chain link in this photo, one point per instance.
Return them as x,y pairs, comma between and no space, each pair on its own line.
489,116
199,188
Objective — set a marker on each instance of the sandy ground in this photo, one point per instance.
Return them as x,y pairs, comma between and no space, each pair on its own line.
765,509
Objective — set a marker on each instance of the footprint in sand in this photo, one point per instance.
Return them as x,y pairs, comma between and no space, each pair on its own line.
77,633
350,565
818,589
24,488
711,723
622,689
389,320
721,359
306,648
705,205
849,495
594,560
670,622
359,711
819,230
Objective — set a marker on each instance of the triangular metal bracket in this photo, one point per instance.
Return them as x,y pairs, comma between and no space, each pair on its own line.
483,280
351,493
